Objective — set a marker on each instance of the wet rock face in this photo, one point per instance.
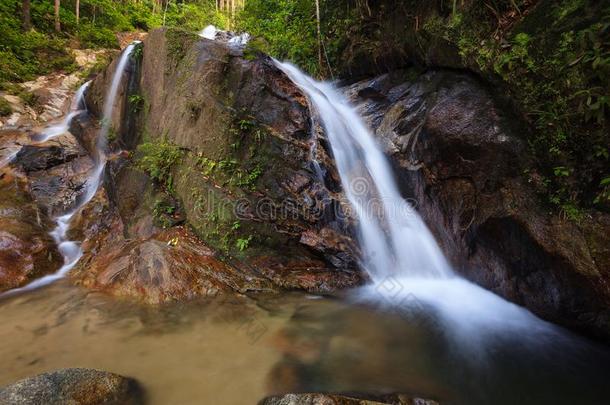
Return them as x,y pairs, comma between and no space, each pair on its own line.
459,154
246,184
73,386
171,265
27,251
57,171
332,399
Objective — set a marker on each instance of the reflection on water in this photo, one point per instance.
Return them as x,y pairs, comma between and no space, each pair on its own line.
237,350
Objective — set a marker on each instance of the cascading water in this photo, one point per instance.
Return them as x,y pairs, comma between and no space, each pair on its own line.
395,240
400,254
71,250
77,107
99,155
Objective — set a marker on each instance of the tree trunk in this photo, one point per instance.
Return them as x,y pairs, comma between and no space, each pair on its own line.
320,60
77,11
27,20
165,11
57,22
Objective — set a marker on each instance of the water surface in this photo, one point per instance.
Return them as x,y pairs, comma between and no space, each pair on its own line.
237,350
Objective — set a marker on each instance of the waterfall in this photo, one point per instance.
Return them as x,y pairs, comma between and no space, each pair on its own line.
71,250
99,156
77,107
409,271
394,240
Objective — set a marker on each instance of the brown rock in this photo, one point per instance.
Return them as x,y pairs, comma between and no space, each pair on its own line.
172,265
213,103
27,251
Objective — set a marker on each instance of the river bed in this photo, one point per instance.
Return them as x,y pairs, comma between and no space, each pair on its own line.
238,350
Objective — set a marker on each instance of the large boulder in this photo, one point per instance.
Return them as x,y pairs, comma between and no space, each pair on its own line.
73,386
460,154
172,265
245,182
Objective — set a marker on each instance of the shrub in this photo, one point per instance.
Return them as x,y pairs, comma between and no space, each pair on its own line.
157,159
5,108
91,36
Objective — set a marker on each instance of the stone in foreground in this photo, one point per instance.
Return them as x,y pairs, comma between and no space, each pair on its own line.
330,399
73,386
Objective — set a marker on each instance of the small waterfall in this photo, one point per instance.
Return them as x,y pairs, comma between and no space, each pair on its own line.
410,273
71,250
209,32
99,156
233,39
394,239
77,107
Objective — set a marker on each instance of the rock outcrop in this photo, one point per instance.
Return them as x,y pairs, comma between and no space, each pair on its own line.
461,156
27,251
244,182
73,386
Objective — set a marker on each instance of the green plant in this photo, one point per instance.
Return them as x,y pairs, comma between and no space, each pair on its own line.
138,52
157,159
136,103
243,243
162,212
603,197
112,135
28,98
5,108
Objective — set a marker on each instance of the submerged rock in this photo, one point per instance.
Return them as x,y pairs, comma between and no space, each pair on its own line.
73,386
349,399
459,153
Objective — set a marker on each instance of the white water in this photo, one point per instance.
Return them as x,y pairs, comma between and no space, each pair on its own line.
400,254
210,32
394,239
77,107
71,250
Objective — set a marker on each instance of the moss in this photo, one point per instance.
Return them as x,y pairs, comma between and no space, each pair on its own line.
157,160
101,63
5,108
255,48
555,64
30,99
178,43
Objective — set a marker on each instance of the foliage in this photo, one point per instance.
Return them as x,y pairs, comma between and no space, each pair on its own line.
288,25
163,211
243,243
157,159
5,108
25,55
552,59
136,103
558,71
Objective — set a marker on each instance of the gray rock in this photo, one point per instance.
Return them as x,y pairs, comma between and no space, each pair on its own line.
73,386
331,399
